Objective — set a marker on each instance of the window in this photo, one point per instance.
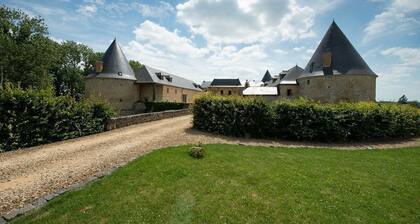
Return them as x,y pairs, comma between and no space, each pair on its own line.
159,75
169,78
167,90
308,82
230,92
184,98
176,91
120,73
289,92
221,92
326,59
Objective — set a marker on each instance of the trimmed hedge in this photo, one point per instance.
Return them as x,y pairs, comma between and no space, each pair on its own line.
162,106
30,117
305,120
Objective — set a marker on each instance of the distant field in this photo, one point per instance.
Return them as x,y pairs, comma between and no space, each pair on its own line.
239,184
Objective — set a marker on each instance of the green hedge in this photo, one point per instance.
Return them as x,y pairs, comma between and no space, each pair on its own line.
304,119
162,106
30,117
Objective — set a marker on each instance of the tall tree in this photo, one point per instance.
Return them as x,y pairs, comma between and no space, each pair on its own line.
73,62
27,52
135,65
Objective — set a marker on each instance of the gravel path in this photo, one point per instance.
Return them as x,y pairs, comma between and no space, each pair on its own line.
28,174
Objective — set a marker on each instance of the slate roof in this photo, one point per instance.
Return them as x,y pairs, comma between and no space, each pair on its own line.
115,64
147,74
267,77
292,75
289,77
205,84
344,57
226,82
260,91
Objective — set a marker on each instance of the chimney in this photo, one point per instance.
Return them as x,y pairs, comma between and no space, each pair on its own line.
99,65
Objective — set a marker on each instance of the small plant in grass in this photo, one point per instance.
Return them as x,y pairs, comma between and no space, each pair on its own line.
197,151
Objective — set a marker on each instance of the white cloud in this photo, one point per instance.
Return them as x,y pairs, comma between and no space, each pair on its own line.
406,65
251,21
398,16
158,47
87,10
149,32
407,56
161,10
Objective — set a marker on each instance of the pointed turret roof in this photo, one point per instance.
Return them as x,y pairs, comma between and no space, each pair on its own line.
291,75
267,77
115,64
336,55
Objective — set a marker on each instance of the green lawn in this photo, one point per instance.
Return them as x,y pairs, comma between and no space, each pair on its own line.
238,184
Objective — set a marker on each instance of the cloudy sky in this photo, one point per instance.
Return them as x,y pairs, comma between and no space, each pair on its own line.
203,39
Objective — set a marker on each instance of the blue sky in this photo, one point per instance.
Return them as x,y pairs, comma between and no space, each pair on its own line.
203,39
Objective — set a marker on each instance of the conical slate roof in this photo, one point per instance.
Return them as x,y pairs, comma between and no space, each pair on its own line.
115,64
336,55
291,75
267,77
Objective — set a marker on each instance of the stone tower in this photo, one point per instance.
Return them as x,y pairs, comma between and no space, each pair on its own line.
337,72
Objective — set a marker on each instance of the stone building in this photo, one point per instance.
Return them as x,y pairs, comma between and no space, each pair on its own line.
287,86
336,72
226,87
115,81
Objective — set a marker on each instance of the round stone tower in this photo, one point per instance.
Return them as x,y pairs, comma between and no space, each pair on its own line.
336,72
113,80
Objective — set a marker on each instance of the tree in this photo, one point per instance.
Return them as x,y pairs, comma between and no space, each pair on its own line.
135,65
27,52
73,62
403,99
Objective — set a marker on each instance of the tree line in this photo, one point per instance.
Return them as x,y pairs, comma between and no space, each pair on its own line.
30,59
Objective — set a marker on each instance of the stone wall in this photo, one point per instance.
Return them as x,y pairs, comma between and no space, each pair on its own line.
119,122
335,88
121,93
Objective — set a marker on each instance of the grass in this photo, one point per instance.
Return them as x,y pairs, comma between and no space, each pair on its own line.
238,184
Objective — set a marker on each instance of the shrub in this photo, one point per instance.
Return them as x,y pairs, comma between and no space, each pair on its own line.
30,117
197,152
162,106
235,116
304,119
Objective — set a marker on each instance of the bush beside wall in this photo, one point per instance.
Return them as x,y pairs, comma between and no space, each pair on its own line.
30,117
304,119
162,106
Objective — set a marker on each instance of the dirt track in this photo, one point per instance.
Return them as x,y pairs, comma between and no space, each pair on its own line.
28,174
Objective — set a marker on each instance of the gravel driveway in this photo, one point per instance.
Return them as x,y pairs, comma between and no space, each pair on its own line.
28,174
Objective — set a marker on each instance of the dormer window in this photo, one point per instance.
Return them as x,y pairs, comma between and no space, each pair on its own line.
326,59
169,78
159,75
119,73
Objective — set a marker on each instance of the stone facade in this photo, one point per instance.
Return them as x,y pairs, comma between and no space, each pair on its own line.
289,91
156,92
226,91
335,88
121,93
